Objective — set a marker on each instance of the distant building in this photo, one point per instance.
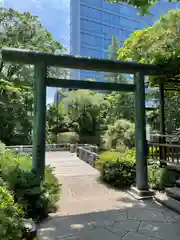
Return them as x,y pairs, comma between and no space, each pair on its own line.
94,22
58,96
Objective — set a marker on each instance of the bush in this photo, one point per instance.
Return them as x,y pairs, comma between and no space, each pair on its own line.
37,201
11,214
120,134
160,178
105,157
52,189
68,137
119,171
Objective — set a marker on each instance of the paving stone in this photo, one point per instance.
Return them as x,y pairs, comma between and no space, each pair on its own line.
128,225
70,237
136,236
97,234
90,210
146,215
64,226
102,223
171,216
117,231
118,216
163,231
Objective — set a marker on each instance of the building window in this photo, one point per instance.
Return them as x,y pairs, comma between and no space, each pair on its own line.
106,18
97,41
128,11
107,42
92,2
90,26
90,13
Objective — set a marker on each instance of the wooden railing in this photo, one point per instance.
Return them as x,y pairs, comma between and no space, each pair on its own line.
163,149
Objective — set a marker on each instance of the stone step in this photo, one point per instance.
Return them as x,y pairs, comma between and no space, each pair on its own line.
173,192
168,201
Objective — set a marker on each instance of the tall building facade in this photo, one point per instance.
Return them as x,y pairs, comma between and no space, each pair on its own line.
94,22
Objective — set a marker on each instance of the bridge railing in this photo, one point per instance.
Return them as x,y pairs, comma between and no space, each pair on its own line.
49,148
86,154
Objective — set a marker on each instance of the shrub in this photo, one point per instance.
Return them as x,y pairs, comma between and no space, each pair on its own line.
107,156
11,214
121,133
119,171
52,189
160,178
37,201
68,137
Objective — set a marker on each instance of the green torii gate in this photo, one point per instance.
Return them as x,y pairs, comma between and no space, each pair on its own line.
42,60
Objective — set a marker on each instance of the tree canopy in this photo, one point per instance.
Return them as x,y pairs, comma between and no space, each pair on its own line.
20,30
142,5
158,44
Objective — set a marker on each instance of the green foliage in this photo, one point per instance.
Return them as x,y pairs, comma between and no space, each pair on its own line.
160,178
105,157
52,189
11,214
157,44
121,133
57,119
84,112
68,137
37,201
153,150
120,174
118,170
20,30
118,106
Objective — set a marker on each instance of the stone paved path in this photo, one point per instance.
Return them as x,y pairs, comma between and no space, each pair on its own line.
89,210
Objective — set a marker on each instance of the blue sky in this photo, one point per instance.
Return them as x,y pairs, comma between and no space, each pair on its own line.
53,14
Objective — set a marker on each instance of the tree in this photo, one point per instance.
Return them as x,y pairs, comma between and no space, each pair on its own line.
159,44
120,134
83,107
20,30
57,119
142,5
117,106
15,113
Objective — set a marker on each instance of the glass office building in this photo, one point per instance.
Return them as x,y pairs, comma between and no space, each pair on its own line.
94,22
